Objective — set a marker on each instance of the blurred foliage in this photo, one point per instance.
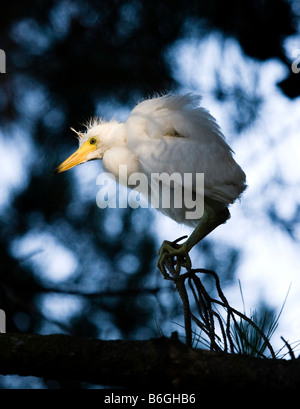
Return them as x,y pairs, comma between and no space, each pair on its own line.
66,60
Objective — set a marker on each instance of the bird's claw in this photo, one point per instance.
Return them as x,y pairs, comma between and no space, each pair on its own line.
174,253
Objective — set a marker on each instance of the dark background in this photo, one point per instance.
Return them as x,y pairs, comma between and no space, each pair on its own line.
67,61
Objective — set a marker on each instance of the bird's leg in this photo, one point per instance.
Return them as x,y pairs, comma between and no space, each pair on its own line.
214,214
167,248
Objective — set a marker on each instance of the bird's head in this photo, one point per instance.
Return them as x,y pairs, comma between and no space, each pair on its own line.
98,138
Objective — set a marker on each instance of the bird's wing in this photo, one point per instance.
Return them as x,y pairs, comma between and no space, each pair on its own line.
174,115
173,134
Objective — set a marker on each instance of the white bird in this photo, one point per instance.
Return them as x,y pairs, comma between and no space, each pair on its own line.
171,134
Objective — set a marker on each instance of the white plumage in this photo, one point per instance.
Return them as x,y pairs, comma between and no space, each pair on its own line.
168,134
173,134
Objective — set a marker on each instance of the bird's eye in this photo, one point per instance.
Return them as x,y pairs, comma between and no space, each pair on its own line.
93,141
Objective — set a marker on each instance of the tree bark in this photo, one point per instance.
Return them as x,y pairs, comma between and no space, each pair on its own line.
150,364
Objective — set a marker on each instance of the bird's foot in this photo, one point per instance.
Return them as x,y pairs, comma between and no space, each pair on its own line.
176,254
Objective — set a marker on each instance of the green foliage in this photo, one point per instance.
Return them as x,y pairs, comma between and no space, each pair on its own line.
247,335
247,340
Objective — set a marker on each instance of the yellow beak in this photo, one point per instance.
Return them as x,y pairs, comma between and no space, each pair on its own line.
78,157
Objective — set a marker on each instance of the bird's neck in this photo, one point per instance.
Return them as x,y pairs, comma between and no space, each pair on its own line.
119,156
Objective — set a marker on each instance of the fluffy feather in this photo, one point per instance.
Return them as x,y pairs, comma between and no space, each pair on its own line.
173,134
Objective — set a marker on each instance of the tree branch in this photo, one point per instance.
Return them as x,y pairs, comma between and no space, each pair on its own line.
155,363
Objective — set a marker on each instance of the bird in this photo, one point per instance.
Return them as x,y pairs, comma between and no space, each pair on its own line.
170,134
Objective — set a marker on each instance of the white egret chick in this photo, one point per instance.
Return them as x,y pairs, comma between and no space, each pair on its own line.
169,134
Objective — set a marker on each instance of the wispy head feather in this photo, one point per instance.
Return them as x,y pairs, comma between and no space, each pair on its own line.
79,134
92,122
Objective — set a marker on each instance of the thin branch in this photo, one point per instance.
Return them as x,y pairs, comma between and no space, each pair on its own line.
291,352
208,313
180,287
